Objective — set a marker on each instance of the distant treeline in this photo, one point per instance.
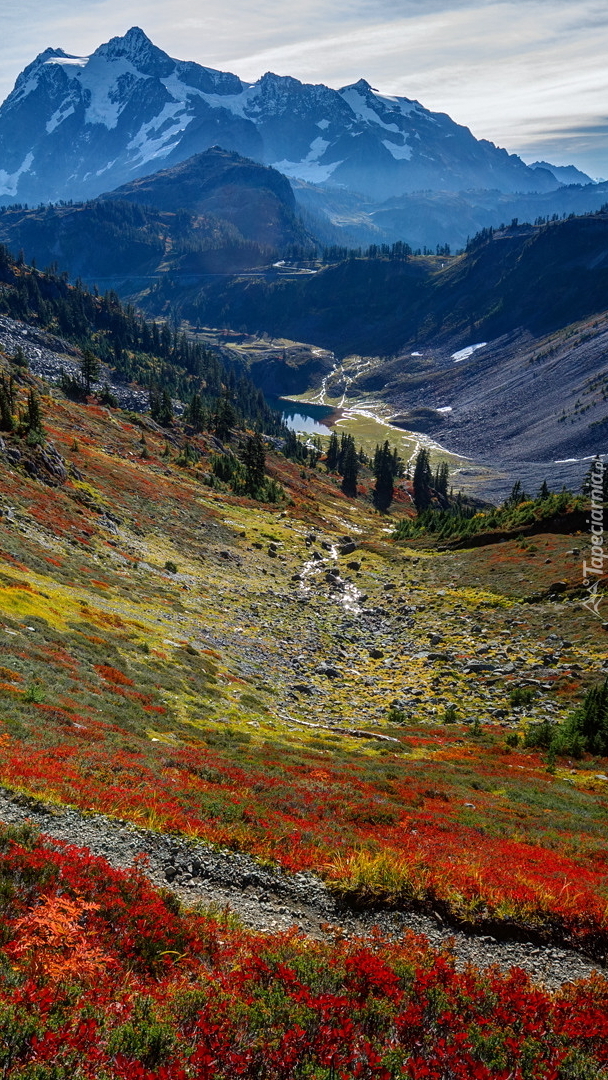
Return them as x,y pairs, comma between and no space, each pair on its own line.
397,252
487,234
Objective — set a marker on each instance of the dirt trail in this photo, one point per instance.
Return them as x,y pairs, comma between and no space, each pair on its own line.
272,900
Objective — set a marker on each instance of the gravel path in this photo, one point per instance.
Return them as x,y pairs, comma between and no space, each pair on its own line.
272,900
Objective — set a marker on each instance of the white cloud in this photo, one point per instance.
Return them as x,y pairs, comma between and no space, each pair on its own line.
528,74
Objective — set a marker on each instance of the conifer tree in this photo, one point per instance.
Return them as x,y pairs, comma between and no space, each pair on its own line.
196,413
333,453
166,409
33,415
385,467
224,417
19,359
89,369
254,460
422,480
441,479
161,406
350,468
6,407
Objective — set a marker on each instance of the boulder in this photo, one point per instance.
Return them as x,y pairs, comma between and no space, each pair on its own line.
347,548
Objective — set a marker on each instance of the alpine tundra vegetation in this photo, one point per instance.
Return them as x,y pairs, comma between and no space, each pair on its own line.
303,730
320,727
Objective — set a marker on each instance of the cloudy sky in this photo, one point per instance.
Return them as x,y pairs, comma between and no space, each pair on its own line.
529,74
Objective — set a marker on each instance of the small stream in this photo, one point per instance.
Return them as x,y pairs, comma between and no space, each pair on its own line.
315,569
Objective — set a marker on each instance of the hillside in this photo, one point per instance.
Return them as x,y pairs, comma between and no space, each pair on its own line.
257,201
428,218
215,213
533,296
538,278
123,346
292,714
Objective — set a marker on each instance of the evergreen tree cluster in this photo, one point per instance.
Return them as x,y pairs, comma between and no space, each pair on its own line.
307,452
245,473
459,517
397,252
386,466
138,350
585,731
342,457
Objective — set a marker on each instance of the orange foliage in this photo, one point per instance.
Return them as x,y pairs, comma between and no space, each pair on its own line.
8,673
113,675
52,941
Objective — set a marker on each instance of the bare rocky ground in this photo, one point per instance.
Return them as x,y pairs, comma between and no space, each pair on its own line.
48,356
270,900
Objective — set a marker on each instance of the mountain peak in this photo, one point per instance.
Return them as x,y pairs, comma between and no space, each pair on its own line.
136,47
361,84
134,42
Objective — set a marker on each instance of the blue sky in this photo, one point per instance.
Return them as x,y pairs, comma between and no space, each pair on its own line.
529,74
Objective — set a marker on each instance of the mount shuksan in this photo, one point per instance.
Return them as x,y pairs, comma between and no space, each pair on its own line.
75,126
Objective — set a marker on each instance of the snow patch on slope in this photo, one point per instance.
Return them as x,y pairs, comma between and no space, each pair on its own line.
463,354
58,117
309,168
397,104
242,104
156,138
69,61
311,171
100,78
9,181
361,109
400,153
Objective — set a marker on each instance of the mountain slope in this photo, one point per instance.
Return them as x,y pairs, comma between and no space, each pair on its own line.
431,218
256,200
76,126
128,348
535,277
215,213
566,174
537,295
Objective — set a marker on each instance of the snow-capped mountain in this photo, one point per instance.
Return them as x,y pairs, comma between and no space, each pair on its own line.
75,126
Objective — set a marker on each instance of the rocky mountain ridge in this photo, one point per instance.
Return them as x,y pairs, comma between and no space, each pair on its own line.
76,126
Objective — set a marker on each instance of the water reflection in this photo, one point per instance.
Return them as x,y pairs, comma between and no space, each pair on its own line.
300,416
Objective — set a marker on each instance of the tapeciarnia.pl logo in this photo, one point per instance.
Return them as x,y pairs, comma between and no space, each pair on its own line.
594,569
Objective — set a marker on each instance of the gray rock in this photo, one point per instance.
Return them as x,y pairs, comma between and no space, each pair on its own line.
327,670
